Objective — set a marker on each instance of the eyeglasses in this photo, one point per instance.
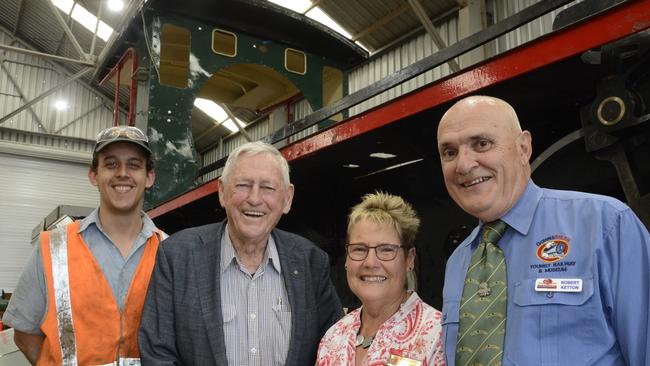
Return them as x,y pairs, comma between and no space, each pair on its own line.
384,252
114,133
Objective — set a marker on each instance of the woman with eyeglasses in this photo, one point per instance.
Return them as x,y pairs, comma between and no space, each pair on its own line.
393,326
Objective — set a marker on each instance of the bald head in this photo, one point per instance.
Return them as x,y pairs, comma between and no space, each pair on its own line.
480,104
484,156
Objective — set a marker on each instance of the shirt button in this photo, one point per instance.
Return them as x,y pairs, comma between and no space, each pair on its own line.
549,295
253,350
253,316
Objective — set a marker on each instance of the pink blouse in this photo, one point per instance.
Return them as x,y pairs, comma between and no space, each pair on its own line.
415,331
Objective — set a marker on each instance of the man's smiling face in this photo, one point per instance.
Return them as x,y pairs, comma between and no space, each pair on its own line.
254,196
484,156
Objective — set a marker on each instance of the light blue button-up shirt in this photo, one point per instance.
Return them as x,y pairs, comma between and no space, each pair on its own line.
553,234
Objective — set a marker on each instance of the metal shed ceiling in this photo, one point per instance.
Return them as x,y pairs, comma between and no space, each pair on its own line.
376,25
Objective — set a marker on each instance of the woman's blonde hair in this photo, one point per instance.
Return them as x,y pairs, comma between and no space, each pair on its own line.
385,208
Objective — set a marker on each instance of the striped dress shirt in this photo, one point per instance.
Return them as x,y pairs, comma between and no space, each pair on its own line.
255,308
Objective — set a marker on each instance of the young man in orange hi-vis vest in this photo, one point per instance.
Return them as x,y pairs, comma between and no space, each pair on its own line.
80,297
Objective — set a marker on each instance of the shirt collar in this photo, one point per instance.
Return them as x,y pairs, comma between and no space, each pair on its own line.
228,252
148,227
520,216
399,316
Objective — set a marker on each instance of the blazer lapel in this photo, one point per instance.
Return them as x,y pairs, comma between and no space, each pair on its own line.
293,273
206,266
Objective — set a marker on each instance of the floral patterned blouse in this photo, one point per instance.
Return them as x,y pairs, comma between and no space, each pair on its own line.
414,331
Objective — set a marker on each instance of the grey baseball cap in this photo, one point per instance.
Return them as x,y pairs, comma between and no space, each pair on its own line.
121,133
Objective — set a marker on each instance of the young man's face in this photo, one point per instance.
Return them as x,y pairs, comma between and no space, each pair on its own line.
484,158
121,177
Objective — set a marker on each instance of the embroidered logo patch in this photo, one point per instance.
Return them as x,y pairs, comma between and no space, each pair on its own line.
553,249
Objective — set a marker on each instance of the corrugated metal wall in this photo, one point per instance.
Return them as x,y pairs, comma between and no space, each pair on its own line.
422,46
300,110
257,131
30,188
411,51
88,111
398,58
501,9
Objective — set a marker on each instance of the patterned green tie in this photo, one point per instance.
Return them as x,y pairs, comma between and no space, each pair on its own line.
483,306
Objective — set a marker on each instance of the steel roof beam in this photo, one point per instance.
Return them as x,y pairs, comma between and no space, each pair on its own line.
234,120
21,7
66,29
21,93
75,120
45,94
385,19
91,52
433,33
46,55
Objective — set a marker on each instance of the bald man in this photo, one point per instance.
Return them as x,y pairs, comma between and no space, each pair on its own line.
578,264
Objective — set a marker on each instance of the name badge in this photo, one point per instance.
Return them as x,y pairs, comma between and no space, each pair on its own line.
558,285
395,360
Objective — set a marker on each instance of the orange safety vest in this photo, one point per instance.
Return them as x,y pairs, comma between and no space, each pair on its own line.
81,307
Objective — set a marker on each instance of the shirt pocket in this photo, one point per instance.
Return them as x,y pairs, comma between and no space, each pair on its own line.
282,314
229,314
550,328
450,320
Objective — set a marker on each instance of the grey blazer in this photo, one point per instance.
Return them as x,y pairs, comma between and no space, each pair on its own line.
182,323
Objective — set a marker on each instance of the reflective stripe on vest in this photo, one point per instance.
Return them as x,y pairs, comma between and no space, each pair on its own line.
59,251
124,362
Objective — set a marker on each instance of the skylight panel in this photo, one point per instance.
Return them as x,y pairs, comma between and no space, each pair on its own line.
318,15
64,5
214,111
84,17
299,6
231,126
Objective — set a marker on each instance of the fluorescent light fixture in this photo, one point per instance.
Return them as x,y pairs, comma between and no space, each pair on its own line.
299,6
351,166
84,17
214,111
61,105
382,155
115,5
390,168
318,15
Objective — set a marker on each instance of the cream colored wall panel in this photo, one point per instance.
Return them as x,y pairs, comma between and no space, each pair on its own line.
30,188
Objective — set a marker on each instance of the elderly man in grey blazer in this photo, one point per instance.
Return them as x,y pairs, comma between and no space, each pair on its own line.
240,292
